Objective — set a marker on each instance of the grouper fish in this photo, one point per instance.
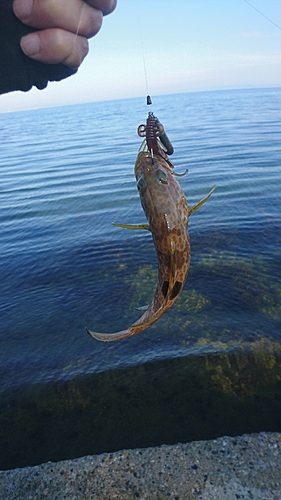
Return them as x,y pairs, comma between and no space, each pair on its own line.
167,213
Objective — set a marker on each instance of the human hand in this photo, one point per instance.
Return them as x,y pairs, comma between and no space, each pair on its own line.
64,28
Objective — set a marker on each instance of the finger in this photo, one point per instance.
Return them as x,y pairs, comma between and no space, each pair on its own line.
69,16
106,6
53,46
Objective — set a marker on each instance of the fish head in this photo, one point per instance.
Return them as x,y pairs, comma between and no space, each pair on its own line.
161,195
152,172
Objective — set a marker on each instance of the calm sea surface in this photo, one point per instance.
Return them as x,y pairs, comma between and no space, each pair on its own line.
67,173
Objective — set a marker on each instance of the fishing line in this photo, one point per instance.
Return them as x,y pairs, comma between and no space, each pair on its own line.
148,98
144,65
78,26
262,14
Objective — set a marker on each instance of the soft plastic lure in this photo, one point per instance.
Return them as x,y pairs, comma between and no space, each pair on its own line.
167,213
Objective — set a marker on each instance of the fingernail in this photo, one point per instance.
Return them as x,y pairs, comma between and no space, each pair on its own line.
23,8
30,44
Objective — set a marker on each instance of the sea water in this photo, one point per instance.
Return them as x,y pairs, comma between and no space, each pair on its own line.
66,174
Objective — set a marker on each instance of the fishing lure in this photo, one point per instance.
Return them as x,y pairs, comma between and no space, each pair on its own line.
167,213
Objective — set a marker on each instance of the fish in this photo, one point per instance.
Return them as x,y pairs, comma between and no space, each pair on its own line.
166,209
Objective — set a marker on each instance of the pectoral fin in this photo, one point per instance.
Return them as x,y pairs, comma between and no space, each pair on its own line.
136,227
195,207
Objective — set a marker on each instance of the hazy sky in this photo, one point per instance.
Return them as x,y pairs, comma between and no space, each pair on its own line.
187,45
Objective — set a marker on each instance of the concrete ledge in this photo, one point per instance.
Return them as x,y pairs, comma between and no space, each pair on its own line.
246,467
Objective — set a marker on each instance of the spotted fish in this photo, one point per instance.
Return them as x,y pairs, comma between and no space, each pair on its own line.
167,213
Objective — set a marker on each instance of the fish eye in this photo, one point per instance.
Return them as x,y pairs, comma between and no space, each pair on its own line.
161,176
141,185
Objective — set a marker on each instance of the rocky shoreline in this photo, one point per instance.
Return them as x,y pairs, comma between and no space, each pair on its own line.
228,468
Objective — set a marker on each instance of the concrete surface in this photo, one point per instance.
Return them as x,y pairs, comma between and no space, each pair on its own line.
227,468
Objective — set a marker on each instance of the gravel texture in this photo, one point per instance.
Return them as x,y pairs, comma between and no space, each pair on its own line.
227,468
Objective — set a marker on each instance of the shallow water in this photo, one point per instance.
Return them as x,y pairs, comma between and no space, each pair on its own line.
67,173
161,402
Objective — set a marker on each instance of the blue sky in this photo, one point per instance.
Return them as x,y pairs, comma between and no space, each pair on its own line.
188,45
